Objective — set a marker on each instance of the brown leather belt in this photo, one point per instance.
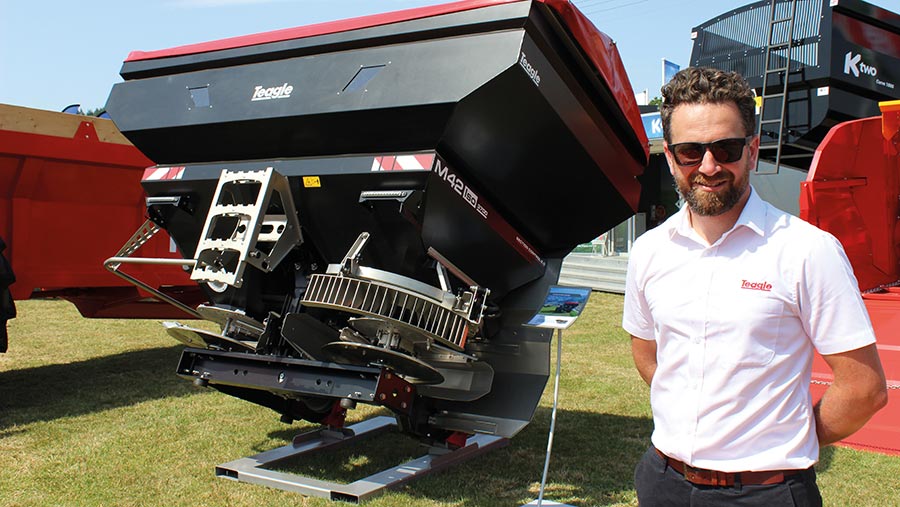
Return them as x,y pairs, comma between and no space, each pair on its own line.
703,477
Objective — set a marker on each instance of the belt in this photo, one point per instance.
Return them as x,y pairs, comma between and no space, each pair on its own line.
703,477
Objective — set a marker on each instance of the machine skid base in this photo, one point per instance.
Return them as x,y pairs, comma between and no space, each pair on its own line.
253,469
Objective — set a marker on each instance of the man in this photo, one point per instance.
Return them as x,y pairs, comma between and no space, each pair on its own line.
725,302
7,305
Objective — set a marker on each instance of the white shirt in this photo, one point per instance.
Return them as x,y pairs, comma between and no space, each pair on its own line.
735,325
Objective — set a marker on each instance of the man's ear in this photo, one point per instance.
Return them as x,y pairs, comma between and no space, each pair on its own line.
669,158
753,150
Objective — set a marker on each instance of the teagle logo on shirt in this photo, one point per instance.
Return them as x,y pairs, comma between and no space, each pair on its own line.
764,286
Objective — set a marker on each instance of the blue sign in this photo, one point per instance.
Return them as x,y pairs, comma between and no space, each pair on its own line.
669,69
652,125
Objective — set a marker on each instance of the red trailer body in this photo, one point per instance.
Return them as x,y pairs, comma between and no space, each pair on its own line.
853,192
70,194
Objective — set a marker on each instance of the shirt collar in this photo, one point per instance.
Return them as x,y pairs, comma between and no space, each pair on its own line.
753,216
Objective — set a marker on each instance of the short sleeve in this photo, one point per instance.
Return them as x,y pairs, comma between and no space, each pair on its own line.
636,317
831,307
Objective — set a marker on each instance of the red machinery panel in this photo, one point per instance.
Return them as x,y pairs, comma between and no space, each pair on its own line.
853,191
70,195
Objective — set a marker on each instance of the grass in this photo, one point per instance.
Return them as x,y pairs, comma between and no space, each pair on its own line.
91,413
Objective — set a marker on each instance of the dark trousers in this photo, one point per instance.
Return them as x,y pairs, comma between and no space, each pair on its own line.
658,485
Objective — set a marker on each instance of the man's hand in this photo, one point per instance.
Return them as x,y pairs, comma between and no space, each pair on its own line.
644,353
859,390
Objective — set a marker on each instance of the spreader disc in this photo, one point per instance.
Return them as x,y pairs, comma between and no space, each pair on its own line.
411,369
204,339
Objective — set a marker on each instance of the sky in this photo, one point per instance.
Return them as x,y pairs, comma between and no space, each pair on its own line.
59,52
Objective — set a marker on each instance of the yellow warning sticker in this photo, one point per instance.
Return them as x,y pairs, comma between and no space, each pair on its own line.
312,182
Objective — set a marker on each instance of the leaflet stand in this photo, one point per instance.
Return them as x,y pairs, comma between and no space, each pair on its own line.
560,309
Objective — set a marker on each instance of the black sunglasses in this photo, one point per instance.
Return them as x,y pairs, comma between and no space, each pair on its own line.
725,151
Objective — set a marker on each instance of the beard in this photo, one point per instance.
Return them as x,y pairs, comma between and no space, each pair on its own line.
710,204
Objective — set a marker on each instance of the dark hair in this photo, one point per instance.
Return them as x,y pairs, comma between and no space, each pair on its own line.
705,85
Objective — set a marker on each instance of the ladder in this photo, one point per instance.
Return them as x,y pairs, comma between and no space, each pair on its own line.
252,220
775,127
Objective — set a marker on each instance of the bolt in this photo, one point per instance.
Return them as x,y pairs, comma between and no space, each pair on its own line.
403,405
382,396
409,389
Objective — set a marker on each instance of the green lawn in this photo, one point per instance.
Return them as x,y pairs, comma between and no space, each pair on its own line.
91,413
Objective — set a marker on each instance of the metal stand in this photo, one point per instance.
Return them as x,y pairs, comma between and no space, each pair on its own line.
540,499
252,469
